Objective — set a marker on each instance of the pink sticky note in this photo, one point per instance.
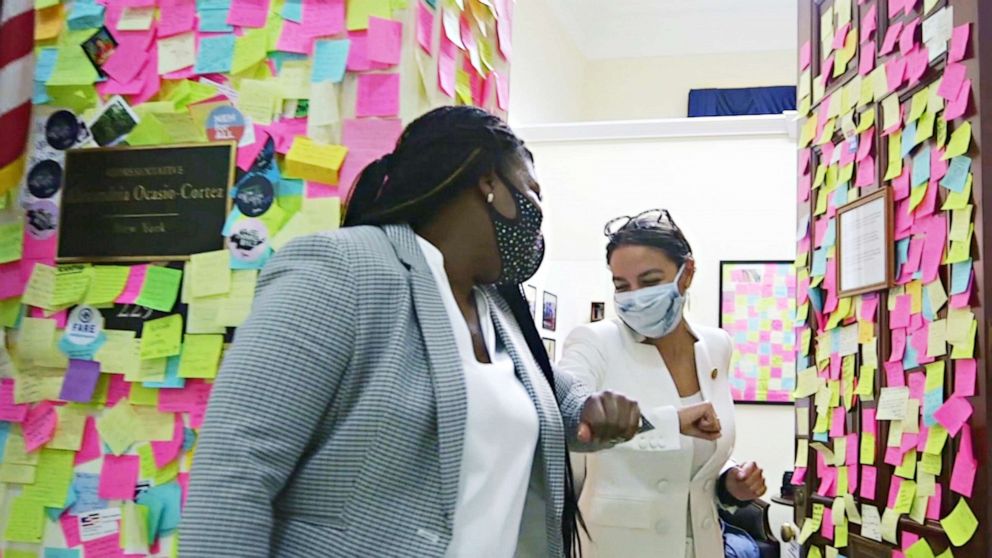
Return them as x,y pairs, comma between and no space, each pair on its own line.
965,466
151,81
866,172
899,316
917,383
895,72
965,374
11,283
378,95
446,66
841,36
852,451
354,163
893,456
958,107
852,476
376,135
894,487
896,7
248,13
868,425
183,480
838,422
933,250
286,130
294,39
959,43
167,451
70,529
90,448
827,524
111,86
867,63
954,76
425,28
323,17
175,16
135,280
385,40
828,480
104,547
247,153
318,190
117,388
869,23
825,73
869,476
933,506
39,425
9,411
894,374
358,58
118,477
917,63
891,37
125,63
798,476
900,185
907,39
953,414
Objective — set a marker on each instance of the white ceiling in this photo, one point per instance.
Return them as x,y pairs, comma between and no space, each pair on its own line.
605,29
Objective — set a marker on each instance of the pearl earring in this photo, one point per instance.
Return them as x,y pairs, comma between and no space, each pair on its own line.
490,197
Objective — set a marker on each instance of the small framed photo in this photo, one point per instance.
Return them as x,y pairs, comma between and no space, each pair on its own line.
115,121
597,311
550,347
530,291
550,312
99,47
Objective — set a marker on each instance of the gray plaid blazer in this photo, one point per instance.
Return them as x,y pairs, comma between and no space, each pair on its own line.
335,427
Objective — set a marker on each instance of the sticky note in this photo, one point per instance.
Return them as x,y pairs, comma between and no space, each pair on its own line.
116,427
39,426
26,520
960,524
80,381
161,337
176,52
248,13
957,173
40,290
330,60
136,18
892,403
215,54
258,100
359,12
118,477
201,356
950,85
106,284
385,39
161,288
249,49
425,29
210,273
960,141
309,160
378,95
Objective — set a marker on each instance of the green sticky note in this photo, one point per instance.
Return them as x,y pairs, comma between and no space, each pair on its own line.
11,245
106,284
53,477
26,520
150,131
359,11
919,549
147,461
960,525
249,49
78,98
162,337
960,142
201,356
10,311
141,395
161,288
72,67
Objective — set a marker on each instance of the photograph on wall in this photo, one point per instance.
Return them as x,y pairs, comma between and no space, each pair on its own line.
597,311
530,291
550,312
757,309
550,347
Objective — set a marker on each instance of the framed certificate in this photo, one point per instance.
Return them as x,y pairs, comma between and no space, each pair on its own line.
864,244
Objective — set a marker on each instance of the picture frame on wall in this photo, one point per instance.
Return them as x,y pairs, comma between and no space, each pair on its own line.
597,311
550,346
530,292
758,310
549,311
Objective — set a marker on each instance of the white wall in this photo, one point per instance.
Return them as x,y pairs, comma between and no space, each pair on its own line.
658,87
733,197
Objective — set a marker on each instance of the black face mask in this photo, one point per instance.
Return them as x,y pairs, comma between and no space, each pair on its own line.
519,241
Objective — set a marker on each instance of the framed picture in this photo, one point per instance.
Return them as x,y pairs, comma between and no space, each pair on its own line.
550,311
597,311
550,347
757,309
864,244
530,291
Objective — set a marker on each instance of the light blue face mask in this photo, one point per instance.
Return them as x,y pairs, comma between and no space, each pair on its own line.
652,311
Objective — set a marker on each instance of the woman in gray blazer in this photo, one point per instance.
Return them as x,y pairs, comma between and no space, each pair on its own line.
351,416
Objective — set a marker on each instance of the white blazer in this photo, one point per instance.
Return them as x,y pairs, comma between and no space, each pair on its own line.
635,496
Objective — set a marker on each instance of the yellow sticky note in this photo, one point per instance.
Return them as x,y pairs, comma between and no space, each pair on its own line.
146,459
11,236
359,11
918,105
919,549
36,338
936,438
167,473
26,520
148,370
867,453
121,353
907,470
917,194
117,427
895,156
249,49
294,79
40,290
890,112
177,52
960,525
960,141
69,429
210,273
180,127
53,476
236,305
106,284
941,139
312,161
161,337
966,348
154,426
71,284
201,356
259,100
136,18
143,396
48,20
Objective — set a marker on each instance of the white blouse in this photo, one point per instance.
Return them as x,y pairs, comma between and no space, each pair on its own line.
501,431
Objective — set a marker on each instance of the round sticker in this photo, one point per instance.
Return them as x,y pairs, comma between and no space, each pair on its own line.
249,240
225,123
62,130
42,219
44,179
254,195
84,325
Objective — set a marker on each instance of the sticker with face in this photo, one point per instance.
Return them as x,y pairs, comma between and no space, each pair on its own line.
42,219
249,240
254,195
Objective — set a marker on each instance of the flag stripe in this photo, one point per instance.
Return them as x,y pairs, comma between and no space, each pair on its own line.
18,85
16,37
12,8
15,123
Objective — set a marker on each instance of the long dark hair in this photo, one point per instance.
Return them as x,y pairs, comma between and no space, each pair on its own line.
437,157
654,229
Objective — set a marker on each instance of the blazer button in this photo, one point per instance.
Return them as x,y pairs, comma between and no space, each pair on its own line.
660,527
662,485
707,523
713,374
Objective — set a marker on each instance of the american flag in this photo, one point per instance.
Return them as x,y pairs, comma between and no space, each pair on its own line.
16,85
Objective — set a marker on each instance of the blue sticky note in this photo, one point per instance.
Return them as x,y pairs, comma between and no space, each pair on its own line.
215,54
932,400
840,194
214,20
40,94
329,60
4,429
85,15
289,187
86,488
957,174
172,379
928,312
45,63
902,254
202,5
165,498
819,262
821,437
830,236
960,276
908,139
61,552
293,11
189,439
280,57
921,166
256,264
816,298
910,358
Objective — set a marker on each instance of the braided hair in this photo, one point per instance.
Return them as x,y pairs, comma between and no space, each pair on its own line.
438,156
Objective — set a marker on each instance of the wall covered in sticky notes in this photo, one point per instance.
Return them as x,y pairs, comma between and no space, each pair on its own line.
893,406
106,367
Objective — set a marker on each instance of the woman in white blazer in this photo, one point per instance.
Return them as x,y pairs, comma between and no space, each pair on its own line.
658,493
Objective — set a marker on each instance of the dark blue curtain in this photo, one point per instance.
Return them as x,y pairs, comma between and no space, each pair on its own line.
737,102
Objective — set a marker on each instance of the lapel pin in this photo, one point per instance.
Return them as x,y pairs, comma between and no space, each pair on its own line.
713,374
